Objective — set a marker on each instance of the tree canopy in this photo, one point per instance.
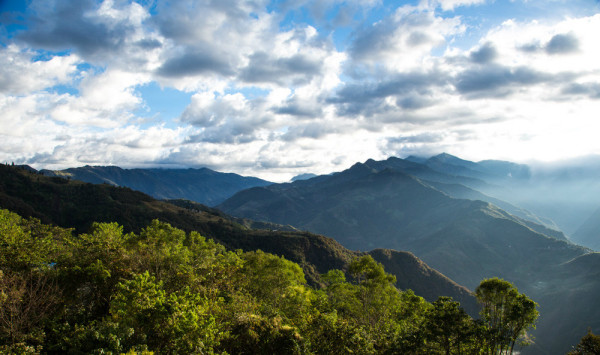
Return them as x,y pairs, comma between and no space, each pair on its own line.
166,291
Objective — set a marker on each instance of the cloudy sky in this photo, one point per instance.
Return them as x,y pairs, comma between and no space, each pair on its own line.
278,88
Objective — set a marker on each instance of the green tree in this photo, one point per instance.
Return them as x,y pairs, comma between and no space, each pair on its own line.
449,326
177,322
374,303
506,313
588,345
278,284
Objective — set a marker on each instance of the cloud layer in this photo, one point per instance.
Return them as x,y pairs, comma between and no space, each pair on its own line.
281,88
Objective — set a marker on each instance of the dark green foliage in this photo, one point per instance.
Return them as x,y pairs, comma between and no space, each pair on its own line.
506,313
589,345
449,327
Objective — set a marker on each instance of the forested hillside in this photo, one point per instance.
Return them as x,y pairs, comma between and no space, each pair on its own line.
166,291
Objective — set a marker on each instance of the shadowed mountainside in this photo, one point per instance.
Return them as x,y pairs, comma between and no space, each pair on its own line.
76,205
589,232
201,185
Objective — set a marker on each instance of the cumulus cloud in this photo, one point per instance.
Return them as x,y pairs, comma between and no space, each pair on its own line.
485,54
408,90
404,38
449,5
225,119
195,62
300,108
297,69
96,30
314,130
498,81
21,73
105,100
590,90
562,44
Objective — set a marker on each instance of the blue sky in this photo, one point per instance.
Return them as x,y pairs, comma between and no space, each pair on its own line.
278,88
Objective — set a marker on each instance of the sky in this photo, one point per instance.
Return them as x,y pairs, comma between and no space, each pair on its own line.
274,89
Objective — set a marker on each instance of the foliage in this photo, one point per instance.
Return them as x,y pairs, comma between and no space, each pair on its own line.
163,290
507,314
589,345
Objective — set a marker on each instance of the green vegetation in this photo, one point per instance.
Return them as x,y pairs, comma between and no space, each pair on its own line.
506,313
163,290
589,345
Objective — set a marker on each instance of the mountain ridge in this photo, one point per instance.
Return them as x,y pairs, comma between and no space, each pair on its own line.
201,185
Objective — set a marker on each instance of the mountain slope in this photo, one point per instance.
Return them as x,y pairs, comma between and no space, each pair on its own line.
361,207
201,185
77,204
365,208
491,171
589,232
532,221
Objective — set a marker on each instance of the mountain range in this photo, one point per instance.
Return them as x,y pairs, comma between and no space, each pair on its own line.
202,185
444,217
407,205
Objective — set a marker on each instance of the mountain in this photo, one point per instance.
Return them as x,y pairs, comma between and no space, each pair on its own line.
568,294
566,193
201,185
488,170
364,208
379,205
439,175
537,223
589,232
74,204
303,177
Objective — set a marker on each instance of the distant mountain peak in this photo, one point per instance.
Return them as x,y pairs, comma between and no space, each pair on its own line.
304,176
449,158
445,155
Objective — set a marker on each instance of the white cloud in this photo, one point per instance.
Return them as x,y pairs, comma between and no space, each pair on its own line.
21,73
404,40
273,95
104,100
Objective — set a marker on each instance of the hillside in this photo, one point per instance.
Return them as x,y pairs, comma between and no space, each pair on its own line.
366,208
201,185
76,204
589,232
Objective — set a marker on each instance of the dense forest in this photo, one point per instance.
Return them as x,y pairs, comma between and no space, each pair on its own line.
166,291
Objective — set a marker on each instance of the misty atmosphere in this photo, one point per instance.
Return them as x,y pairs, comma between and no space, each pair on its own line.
299,177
